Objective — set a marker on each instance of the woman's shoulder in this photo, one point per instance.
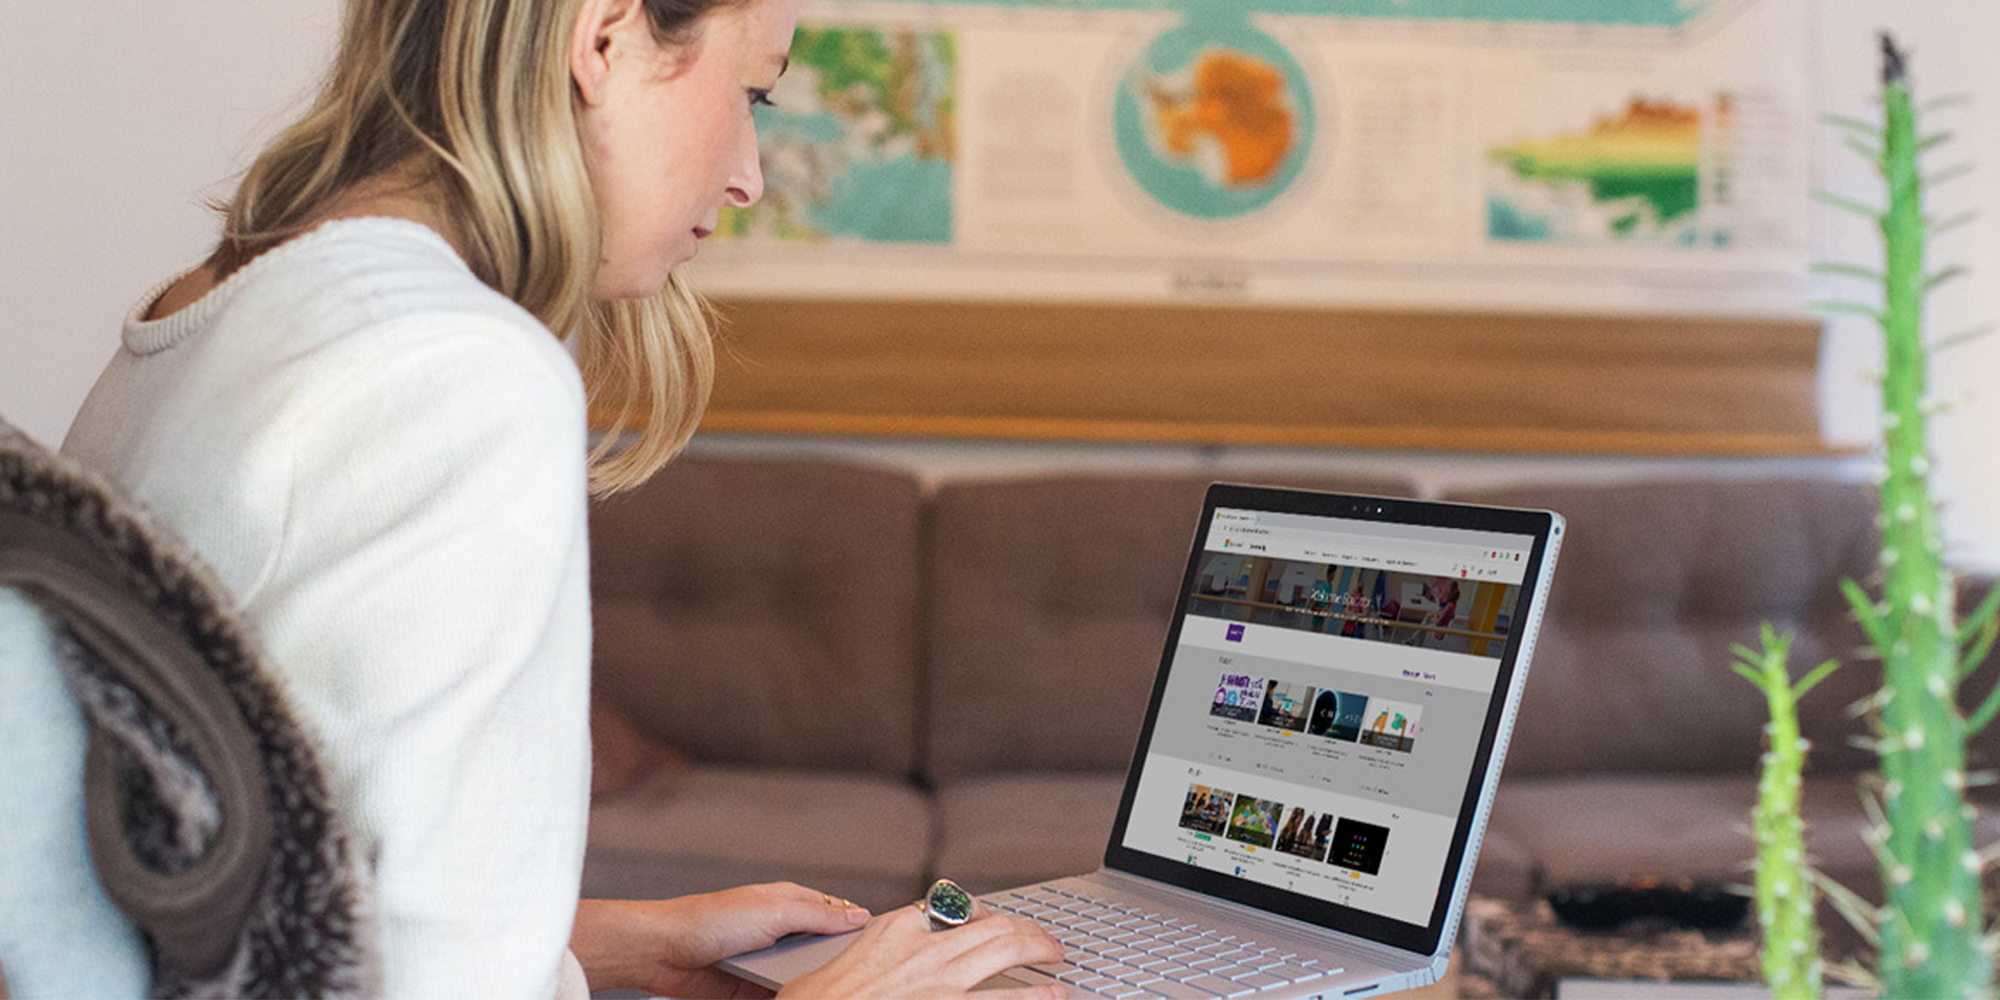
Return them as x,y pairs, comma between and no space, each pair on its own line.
370,273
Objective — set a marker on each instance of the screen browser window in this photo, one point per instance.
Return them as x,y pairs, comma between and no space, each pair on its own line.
1324,704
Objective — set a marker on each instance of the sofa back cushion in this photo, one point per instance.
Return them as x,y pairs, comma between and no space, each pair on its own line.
1655,583
1050,599
762,611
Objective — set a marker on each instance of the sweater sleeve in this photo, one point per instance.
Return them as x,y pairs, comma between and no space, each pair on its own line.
430,593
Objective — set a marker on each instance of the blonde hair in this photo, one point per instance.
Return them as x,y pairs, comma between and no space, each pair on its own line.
474,96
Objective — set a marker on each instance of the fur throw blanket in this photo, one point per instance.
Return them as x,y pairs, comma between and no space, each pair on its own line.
211,826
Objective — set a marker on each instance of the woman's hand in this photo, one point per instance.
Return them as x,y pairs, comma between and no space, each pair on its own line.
898,955
667,946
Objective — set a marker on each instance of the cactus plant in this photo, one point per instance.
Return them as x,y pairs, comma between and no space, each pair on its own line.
1930,930
1791,955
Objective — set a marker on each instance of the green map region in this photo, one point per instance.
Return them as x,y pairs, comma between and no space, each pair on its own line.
861,142
1633,176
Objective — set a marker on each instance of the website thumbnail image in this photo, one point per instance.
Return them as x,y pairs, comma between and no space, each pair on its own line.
1344,716
1267,823
1374,605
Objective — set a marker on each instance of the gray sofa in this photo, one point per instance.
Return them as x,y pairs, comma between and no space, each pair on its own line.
824,672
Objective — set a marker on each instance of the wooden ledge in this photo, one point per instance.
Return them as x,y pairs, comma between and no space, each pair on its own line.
1268,376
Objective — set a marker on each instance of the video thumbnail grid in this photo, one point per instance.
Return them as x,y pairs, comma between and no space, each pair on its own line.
1335,840
1345,716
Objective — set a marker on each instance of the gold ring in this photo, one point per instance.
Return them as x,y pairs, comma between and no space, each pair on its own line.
824,898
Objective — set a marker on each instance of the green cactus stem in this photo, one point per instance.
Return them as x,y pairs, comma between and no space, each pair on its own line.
1785,896
1931,926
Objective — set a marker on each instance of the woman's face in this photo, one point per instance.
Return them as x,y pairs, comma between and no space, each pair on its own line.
667,130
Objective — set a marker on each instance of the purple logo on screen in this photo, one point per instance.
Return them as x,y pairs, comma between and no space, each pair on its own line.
1235,633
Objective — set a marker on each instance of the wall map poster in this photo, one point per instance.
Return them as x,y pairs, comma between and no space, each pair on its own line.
1642,155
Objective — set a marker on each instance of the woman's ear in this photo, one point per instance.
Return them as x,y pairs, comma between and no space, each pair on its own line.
600,27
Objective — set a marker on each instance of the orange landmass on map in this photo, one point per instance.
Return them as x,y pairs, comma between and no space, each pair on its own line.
1239,102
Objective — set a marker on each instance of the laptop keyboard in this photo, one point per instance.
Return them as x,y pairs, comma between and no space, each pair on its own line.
1118,950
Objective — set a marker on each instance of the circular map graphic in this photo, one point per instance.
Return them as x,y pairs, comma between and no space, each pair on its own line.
1214,119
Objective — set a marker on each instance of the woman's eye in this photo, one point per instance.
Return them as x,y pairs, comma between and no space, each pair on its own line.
761,97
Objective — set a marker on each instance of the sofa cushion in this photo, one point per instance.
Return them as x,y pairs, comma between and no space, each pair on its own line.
701,829
1004,831
1053,592
1656,581
762,611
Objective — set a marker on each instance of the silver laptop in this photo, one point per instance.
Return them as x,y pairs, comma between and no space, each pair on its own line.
1318,759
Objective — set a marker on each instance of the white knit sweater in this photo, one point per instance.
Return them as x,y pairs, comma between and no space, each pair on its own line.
383,461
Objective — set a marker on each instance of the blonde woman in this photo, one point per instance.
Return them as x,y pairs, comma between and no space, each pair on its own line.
360,411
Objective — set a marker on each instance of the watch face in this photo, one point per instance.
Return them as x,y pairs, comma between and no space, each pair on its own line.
949,903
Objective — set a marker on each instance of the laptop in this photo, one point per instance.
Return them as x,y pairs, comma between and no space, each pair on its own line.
1318,758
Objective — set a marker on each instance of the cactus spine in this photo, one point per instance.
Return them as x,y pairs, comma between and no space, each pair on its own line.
1791,956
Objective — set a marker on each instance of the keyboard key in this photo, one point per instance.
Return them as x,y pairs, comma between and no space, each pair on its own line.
1125,955
1178,973
1122,991
1179,991
1261,981
1220,987
1229,971
1123,972
1145,961
1140,977
1298,973
1077,975
1095,983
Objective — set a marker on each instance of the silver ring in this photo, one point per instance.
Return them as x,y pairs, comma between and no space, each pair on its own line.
947,905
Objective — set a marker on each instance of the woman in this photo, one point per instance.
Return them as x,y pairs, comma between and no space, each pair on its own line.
356,411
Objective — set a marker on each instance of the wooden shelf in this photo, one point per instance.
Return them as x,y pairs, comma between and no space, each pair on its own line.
1237,375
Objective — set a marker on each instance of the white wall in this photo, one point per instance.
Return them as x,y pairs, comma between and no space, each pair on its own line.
117,119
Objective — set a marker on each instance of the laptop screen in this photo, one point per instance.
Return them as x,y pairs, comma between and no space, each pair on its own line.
1326,697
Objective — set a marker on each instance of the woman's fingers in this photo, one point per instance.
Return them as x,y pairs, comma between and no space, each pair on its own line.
1009,943
817,912
899,955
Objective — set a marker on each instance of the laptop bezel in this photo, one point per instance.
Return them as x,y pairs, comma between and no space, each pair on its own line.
1422,939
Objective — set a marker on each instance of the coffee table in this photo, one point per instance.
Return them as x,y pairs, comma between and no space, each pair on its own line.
1520,949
